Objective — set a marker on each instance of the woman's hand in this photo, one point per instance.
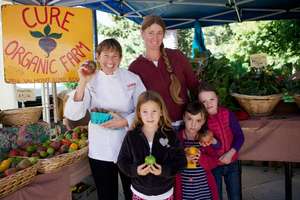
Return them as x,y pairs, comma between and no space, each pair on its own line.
143,169
155,169
115,123
227,157
83,77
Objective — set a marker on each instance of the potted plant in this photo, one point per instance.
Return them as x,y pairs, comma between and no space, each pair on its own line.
258,91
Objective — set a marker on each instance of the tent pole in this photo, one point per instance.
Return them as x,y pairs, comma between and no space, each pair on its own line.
54,97
95,30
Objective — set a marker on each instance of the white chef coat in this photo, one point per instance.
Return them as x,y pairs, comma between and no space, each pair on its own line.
118,92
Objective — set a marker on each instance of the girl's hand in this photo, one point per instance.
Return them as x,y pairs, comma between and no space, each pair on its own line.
227,157
143,169
155,169
115,123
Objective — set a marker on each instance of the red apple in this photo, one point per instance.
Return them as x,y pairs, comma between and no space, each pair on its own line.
89,68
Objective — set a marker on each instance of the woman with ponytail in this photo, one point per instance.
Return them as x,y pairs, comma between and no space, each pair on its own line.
163,70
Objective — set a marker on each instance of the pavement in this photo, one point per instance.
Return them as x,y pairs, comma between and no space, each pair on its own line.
258,183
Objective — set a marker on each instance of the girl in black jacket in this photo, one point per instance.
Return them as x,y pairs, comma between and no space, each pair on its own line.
151,154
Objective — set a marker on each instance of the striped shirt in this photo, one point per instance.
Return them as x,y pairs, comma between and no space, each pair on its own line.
194,181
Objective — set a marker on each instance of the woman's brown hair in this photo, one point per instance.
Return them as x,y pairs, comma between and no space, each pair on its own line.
109,44
164,122
175,86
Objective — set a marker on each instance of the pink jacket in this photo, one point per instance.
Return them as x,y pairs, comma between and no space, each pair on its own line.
208,160
219,124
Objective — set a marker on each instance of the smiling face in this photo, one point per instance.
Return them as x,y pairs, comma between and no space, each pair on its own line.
150,114
153,36
193,123
109,60
210,100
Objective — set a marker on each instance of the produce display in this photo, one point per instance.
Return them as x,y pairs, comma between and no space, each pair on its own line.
10,166
70,141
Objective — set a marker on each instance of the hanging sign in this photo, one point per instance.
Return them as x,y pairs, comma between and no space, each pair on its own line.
25,95
45,43
258,60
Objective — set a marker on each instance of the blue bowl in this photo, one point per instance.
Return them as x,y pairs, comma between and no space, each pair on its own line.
100,117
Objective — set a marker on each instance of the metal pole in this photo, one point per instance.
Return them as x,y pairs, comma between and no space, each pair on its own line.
288,180
95,29
47,102
43,102
54,97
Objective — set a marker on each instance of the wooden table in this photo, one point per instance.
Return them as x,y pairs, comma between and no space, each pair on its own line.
273,139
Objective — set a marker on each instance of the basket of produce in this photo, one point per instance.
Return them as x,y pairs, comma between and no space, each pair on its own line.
20,116
56,154
15,173
258,105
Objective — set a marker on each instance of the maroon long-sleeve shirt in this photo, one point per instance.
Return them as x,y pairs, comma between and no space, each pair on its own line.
157,78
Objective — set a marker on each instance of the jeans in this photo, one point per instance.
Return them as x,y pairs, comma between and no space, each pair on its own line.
231,174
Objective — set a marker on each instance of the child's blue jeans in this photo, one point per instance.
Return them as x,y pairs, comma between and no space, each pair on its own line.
231,174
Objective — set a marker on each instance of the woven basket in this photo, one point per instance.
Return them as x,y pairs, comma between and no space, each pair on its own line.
49,165
258,105
297,99
21,116
18,180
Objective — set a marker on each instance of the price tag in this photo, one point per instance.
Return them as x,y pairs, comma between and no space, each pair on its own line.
258,60
25,95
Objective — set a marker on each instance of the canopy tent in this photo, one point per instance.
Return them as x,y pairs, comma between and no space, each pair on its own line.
180,14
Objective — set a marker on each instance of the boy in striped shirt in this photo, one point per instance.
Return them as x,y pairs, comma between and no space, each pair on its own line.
196,181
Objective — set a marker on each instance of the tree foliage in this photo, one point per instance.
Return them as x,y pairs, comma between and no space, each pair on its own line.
128,34
185,40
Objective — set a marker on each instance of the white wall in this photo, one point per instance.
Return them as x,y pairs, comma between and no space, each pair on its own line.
7,91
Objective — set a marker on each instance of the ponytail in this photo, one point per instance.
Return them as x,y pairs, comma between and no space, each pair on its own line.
175,86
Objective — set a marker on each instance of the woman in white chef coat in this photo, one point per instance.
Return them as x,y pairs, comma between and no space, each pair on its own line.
110,88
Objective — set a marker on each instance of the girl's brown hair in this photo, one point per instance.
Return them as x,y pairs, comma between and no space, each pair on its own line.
175,86
205,87
109,44
164,122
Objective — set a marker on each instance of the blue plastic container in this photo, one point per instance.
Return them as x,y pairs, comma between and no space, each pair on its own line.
100,117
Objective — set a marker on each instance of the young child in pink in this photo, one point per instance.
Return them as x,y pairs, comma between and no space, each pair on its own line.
227,130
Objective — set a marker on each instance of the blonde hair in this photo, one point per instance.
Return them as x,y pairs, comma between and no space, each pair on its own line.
175,86
164,122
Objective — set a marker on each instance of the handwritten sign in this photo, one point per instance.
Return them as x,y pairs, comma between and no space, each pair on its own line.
258,60
25,95
45,43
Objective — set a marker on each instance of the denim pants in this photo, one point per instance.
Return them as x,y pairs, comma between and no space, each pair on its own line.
231,174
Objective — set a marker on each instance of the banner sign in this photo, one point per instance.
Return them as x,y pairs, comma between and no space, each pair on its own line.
44,43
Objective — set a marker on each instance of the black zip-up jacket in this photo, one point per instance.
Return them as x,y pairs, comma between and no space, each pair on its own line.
170,155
